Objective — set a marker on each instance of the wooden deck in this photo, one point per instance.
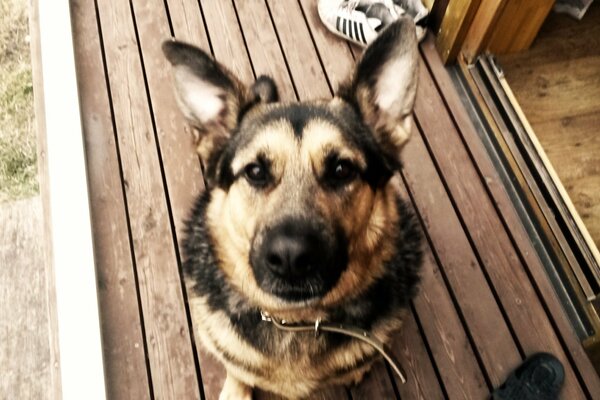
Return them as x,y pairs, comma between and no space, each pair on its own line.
485,302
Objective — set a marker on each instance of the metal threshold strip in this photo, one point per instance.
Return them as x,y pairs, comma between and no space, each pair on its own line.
563,244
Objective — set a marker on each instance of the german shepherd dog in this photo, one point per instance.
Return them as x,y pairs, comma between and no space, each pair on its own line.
301,217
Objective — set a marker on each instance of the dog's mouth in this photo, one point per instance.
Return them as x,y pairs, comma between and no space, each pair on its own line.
307,290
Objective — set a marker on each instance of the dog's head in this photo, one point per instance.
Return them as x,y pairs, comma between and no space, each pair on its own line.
301,210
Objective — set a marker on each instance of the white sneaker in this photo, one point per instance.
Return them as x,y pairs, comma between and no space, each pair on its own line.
360,21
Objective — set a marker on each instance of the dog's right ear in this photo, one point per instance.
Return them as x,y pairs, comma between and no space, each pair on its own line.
384,86
209,96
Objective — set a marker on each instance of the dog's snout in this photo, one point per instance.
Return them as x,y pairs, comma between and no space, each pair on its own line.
298,259
290,255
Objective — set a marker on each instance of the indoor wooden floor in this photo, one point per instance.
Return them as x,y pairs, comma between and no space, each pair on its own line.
485,302
557,84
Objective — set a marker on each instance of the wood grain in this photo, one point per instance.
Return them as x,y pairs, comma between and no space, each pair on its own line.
454,26
518,25
167,333
265,53
188,25
409,349
499,259
467,279
122,333
557,85
26,328
450,346
333,51
226,38
482,28
508,213
302,58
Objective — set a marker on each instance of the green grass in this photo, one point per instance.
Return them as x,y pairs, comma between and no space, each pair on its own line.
18,172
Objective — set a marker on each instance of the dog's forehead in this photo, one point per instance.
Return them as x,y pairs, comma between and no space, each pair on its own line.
290,133
292,125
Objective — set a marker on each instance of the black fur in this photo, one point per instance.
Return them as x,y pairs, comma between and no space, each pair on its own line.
203,65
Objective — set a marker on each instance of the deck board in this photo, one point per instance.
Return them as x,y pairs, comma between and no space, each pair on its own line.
502,265
411,351
172,366
467,282
482,285
510,218
122,331
263,46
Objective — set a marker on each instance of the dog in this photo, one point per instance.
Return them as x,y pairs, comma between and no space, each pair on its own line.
301,217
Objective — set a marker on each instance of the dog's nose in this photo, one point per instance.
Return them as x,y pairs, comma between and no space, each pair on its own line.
289,255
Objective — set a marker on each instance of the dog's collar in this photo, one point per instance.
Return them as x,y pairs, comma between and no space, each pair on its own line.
356,333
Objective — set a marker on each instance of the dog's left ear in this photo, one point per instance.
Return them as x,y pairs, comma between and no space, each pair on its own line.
212,99
384,85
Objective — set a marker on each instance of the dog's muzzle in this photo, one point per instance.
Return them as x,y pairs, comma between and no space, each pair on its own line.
298,260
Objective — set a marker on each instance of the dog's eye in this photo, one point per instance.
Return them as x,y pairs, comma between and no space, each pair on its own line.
343,171
256,174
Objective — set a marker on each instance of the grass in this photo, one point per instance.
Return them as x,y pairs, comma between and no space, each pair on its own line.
18,172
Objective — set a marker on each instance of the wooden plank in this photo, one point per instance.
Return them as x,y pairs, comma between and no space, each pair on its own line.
453,29
265,54
482,28
226,38
409,349
54,391
561,38
518,25
507,211
334,52
483,317
229,49
302,58
502,264
375,385
187,22
438,9
180,163
166,328
122,335
450,346
81,366
179,160
188,25
26,348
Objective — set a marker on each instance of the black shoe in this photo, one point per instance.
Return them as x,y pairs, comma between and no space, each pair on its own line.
540,377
